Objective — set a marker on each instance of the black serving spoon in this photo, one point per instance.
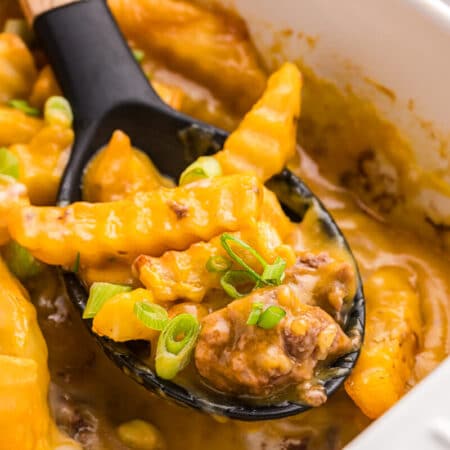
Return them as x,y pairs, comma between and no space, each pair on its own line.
108,90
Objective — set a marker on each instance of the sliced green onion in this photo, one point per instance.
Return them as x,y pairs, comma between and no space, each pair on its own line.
175,345
271,317
151,315
218,264
9,163
255,313
57,111
138,55
193,175
99,294
20,28
226,238
21,262
22,105
274,273
233,278
76,264
203,167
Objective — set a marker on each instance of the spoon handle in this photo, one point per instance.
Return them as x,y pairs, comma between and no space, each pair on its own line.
33,8
92,61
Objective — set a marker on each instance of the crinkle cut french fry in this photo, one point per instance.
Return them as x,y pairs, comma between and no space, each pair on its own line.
25,421
148,223
16,127
117,272
44,87
172,95
17,70
266,138
177,275
117,320
18,382
119,171
273,213
208,47
12,194
393,332
42,162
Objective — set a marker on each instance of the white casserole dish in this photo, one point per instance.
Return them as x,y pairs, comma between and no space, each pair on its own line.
395,54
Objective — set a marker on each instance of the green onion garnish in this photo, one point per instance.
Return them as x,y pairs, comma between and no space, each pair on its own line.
218,264
255,313
57,111
193,175
9,163
99,294
226,238
203,167
21,262
233,278
271,317
274,273
175,345
138,55
76,264
151,315
22,105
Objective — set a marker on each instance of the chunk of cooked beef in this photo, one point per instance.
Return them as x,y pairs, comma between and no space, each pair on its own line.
242,359
325,280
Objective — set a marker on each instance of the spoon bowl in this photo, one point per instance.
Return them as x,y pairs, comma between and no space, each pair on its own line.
108,90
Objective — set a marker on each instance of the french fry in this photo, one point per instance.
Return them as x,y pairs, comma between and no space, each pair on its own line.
148,223
393,332
25,421
17,70
119,171
172,95
12,194
206,46
44,87
117,320
184,275
266,138
42,162
16,127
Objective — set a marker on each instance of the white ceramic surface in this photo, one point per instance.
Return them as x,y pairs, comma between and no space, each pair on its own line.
404,45
419,421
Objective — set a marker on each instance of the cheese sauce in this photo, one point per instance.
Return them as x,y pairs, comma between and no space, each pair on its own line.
90,396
